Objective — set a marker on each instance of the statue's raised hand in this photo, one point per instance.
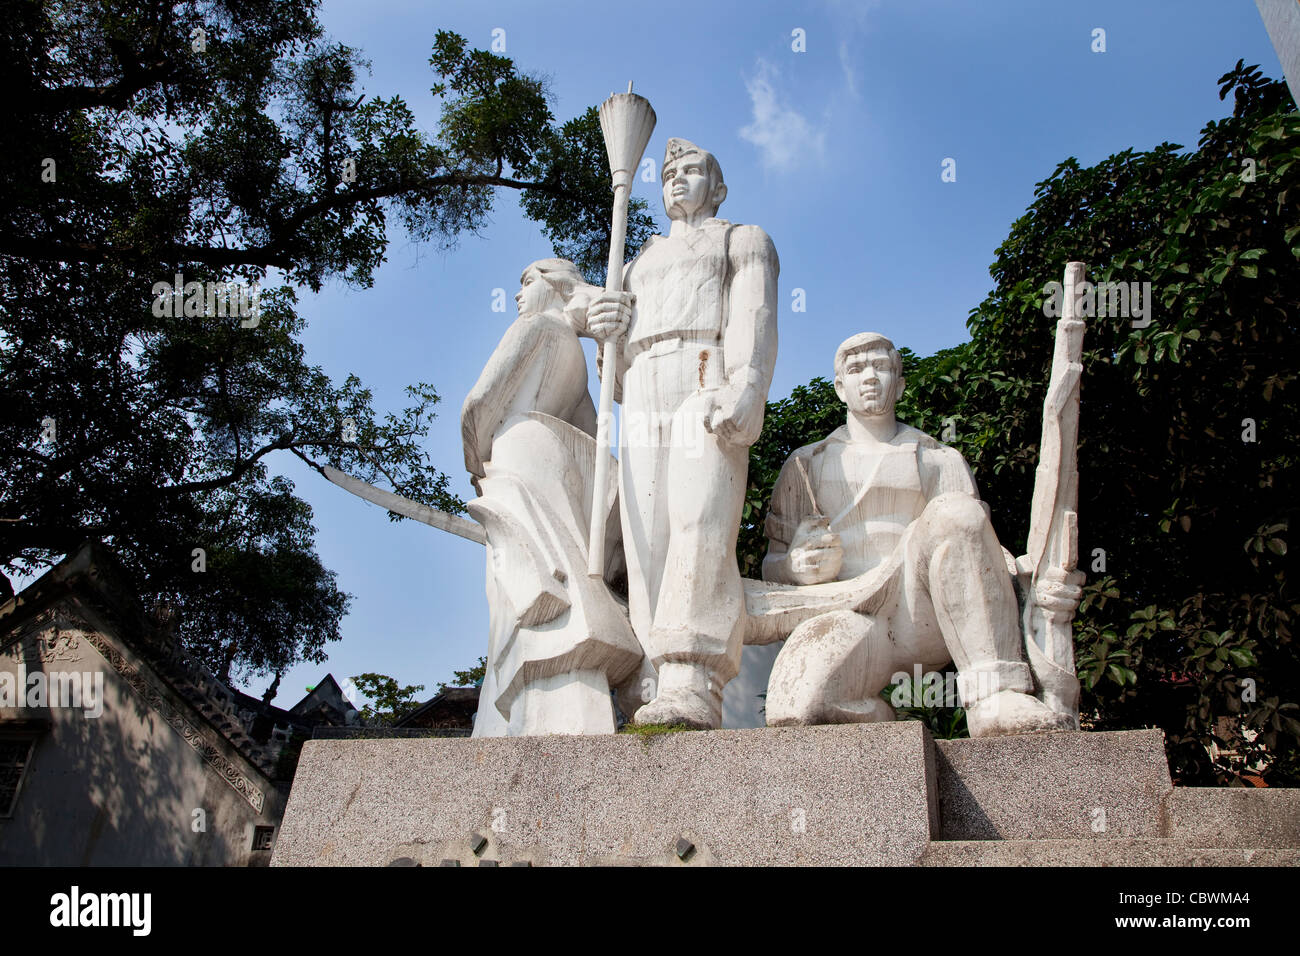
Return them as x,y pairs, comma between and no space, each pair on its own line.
608,315
816,554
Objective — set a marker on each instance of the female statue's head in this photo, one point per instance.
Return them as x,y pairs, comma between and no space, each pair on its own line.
555,285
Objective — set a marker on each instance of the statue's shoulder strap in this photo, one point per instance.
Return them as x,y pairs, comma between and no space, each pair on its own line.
946,467
726,272
907,434
816,456
646,245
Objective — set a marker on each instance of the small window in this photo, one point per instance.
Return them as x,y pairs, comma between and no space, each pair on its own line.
15,756
263,838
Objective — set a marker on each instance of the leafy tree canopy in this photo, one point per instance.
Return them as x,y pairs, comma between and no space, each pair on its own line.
230,142
389,702
467,678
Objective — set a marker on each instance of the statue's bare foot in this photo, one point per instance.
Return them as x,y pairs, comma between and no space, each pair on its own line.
687,695
1010,712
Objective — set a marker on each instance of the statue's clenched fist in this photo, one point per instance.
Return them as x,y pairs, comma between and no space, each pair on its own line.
816,554
1057,592
735,414
608,315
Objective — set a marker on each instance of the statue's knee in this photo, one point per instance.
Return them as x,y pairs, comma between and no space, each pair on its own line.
956,514
837,640
845,627
830,671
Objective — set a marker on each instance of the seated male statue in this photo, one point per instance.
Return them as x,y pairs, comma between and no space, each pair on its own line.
881,502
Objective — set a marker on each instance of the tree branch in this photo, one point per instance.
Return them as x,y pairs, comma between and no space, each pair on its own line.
113,96
208,484
276,253
57,250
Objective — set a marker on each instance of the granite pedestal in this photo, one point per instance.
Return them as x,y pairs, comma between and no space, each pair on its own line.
864,794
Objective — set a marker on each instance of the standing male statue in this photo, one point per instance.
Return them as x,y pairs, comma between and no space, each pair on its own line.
881,507
697,325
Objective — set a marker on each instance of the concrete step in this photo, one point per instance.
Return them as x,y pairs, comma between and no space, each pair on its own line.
1115,851
1066,786
1236,817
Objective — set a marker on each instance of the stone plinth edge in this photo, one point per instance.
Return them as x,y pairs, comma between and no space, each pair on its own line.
839,795
1053,786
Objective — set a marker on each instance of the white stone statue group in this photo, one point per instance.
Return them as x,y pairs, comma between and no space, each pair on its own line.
881,556
613,584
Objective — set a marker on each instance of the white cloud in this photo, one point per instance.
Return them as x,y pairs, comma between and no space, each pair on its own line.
855,13
783,135
851,19
846,64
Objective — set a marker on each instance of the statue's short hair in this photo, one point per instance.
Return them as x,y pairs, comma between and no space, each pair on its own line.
862,342
677,148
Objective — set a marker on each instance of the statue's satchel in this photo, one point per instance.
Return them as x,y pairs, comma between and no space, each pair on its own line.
774,610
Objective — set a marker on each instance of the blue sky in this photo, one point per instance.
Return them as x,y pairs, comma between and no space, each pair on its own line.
836,151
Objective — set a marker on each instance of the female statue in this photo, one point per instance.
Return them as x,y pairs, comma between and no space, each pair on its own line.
559,639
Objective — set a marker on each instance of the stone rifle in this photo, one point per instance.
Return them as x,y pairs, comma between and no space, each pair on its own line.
1052,548
453,524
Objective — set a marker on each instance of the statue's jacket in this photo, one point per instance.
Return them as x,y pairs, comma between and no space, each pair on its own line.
870,498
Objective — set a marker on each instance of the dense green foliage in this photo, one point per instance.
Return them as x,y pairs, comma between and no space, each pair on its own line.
1186,620
229,141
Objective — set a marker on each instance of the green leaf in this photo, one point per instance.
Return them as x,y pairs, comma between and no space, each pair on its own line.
1242,657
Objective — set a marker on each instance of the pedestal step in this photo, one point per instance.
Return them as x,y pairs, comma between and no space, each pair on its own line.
1053,786
1237,817
1117,851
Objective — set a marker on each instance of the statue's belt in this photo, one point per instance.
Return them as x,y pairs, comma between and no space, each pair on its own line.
673,342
